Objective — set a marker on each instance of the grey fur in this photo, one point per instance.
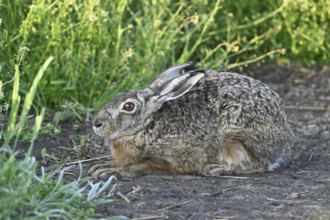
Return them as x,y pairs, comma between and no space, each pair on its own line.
197,122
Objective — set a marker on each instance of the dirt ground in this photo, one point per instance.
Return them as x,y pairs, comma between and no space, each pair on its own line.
299,191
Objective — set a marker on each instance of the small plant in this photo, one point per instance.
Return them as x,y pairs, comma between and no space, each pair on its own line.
51,128
79,147
75,126
24,195
43,153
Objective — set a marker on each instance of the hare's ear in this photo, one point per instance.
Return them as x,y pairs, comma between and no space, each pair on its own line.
179,85
170,74
170,88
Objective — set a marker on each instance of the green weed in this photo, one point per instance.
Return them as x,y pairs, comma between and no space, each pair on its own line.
26,195
79,144
103,47
13,128
51,128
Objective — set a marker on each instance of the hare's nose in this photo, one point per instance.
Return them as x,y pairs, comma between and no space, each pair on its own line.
97,123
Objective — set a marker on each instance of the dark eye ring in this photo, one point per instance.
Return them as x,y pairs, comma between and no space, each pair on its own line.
129,106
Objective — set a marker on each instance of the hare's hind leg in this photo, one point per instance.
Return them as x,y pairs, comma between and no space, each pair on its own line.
233,158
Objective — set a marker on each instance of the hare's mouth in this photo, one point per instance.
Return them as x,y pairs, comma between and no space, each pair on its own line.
100,131
105,131
96,130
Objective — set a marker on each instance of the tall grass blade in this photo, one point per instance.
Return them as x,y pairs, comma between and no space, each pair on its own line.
15,105
36,129
29,99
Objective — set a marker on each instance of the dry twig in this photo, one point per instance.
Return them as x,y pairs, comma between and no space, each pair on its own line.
65,148
150,217
90,183
135,190
235,177
312,154
110,194
223,217
123,197
87,160
52,157
278,201
176,205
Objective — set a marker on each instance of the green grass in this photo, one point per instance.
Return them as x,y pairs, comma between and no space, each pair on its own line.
23,193
103,47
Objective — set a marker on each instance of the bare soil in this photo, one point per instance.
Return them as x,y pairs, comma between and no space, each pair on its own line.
299,191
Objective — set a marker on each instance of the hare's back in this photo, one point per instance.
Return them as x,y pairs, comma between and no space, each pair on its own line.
244,99
236,87
229,99
241,84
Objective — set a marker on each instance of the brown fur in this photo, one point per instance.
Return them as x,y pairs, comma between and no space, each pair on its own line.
125,152
234,152
153,167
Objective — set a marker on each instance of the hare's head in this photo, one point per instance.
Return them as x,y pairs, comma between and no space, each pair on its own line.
129,112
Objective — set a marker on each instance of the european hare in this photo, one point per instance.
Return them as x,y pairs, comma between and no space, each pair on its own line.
190,121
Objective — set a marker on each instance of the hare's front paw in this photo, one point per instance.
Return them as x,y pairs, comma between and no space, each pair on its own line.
105,170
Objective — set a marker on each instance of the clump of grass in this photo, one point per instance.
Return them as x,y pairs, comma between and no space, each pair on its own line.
26,195
23,194
13,128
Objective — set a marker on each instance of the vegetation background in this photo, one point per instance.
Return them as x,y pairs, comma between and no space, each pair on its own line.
102,47
77,54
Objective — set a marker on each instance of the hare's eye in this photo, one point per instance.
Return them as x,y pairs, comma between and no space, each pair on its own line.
129,106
